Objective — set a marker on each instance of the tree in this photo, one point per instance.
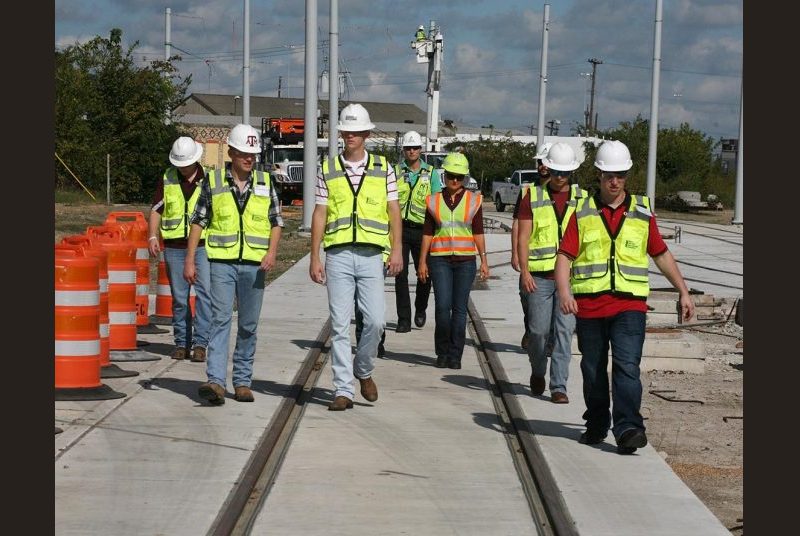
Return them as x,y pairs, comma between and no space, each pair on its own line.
106,104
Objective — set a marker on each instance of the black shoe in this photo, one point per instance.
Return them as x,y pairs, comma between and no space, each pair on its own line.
403,326
538,385
381,350
441,361
630,440
419,318
453,364
592,438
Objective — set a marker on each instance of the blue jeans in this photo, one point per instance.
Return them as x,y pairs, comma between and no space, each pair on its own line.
452,282
187,333
547,322
354,272
246,283
625,333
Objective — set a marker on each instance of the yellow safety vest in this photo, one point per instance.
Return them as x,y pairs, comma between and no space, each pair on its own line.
360,216
454,233
546,230
177,210
412,200
612,265
236,235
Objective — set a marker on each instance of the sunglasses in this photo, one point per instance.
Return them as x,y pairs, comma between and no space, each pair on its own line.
608,175
455,177
559,172
415,148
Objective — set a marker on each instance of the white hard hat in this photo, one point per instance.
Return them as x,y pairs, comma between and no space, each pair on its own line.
245,138
354,118
185,151
421,27
412,139
561,157
613,155
541,152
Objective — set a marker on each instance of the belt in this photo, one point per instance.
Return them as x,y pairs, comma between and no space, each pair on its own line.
413,225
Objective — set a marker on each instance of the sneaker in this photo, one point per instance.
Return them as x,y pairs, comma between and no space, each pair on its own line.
630,440
198,354
243,393
403,326
213,392
179,353
454,364
419,318
441,361
592,438
381,350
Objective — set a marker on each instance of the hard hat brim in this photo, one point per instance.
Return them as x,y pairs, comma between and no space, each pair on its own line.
183,163
619,167
560,167
354,128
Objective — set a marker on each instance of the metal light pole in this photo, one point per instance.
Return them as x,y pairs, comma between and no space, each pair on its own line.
246,66
651,150
310,106
543,77
738,211
167,34
333,80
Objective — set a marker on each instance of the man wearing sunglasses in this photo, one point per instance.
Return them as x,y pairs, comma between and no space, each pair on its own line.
415,181
543,215
602,278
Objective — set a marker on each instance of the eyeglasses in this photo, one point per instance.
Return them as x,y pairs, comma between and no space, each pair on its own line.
608,175
240,154
558,172
453,177
415,148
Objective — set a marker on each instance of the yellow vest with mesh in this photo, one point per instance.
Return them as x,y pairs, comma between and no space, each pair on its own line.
454,233
612,265
359,217
546,231
233,235
177,210
412,200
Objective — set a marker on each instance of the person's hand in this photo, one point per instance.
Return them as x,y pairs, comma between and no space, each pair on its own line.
526,281
422,272
568,303
484,271
515,261
317,271
153,246
687,307
189,272
395,263
269,260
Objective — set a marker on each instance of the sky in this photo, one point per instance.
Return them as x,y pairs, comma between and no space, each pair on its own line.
492,54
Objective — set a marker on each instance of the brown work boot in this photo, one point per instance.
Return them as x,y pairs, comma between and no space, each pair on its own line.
340,403
198,354
243,393
368,389
213,392
179,353
559,398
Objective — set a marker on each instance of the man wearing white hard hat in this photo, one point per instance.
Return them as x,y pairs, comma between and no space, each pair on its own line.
240,213
173,203
543,216
356,219
416,180
602,278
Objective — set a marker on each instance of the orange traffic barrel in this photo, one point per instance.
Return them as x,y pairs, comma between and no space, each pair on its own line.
121,294
77,328
91,248
133,229
163,314
192,299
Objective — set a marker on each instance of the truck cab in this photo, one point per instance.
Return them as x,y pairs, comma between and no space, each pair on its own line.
505,192
282,155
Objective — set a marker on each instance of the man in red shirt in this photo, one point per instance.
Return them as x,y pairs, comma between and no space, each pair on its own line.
601,277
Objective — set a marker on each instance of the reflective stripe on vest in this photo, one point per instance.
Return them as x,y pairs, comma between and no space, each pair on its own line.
546,230
177,210
606,264
357,216
233,234
412,200
454,233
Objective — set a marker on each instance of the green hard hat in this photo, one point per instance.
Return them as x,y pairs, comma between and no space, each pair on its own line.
456,163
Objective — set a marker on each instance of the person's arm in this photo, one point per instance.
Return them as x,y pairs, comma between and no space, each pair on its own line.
514,242
524,227
153,232
422,269
568,303
316,270
480,244
189,272
396,230
666,263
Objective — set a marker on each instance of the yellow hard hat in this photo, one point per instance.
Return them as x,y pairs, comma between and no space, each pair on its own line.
456,163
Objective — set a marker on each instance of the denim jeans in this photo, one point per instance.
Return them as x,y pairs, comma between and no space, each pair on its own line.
452,282
354,272
412,242
625,334
546,323
246,283
523,301
188,333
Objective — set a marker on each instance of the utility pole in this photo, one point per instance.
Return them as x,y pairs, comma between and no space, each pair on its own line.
280,79
738,210
543,77
333,80
429,50
167,35
310,103
246,66
652,145
595,62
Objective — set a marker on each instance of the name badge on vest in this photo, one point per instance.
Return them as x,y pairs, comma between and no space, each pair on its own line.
261,190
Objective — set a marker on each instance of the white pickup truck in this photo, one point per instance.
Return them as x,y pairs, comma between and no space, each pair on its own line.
505,192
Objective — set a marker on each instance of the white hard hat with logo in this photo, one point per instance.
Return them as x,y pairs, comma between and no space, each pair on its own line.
541,152
561,157
185,151
245,138
412,139
354,118
613,155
